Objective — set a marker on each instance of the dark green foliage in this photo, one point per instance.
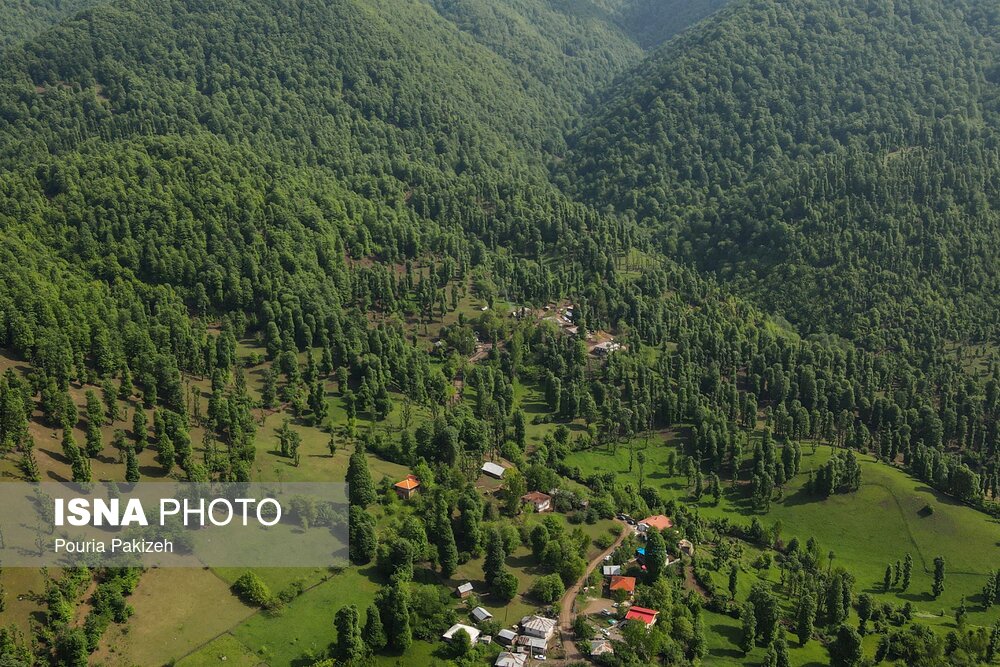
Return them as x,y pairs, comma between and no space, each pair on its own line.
360,487
361,535
252,590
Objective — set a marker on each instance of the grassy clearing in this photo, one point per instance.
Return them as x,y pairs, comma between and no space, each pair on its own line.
224,650
866,530
176,611
305,625
25,589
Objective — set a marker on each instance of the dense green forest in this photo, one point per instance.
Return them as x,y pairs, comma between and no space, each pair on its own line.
838,160
24,19
742,273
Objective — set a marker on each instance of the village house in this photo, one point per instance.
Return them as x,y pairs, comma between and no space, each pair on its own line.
600,647
407,487
540,502
538,627
647,616
657,521
506,637
535,645
508,659
626,584
464,590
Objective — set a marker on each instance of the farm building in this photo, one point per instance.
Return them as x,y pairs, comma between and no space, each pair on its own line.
493,470
479,615
469,630
612,570
464,590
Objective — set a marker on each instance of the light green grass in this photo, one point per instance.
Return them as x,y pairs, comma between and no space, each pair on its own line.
866,530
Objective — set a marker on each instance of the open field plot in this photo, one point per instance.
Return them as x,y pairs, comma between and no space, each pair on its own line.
176,611
890,515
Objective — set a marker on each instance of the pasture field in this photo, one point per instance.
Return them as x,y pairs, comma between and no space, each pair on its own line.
891,515
176,611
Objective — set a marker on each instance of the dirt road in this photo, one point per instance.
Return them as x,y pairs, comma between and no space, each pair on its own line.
568,601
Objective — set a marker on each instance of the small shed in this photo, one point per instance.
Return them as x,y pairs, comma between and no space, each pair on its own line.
464,590
479,615
494,470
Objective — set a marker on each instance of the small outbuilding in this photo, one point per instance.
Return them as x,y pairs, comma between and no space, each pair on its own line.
464,590
469,630
479,615
493,470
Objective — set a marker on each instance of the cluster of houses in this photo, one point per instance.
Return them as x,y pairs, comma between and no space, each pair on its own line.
528,639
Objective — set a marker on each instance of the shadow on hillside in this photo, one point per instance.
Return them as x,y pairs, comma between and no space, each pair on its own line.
731,634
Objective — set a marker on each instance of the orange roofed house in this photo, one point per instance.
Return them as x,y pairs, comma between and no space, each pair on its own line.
619,583
647,616
407,487
657,521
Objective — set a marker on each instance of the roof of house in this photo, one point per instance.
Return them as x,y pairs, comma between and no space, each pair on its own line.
536,643
481,614
600,647
658,521
507,635
611,570
535,497
622,584
507,659
465,588
538,624
647,616
469,630
494,469
409,483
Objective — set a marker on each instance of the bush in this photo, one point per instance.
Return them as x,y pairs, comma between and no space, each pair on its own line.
547,589
252,590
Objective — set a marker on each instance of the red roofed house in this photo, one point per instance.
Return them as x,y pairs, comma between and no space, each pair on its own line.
407,487
540,502
657,521
647,616
619,583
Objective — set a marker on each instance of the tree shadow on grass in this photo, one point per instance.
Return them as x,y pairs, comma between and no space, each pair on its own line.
56,477
731,634
800,497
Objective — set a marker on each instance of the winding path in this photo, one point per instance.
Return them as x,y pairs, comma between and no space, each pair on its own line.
568,601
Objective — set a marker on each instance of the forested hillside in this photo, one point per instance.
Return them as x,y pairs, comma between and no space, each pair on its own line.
363,240
839,160
653,22
23,19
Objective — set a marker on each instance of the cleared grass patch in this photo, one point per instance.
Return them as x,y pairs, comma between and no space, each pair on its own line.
176,611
